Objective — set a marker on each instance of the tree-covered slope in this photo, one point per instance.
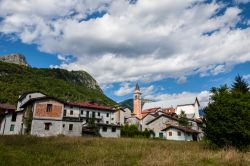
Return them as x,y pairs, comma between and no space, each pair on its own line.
65,85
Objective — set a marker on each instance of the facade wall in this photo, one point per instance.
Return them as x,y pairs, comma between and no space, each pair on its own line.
17,125
109,132
104,116
189,109
145,120
76,130
160,124
127,113
175,136
38,127
40,109
119,117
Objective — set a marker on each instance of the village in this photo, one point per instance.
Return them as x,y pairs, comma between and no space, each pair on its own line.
41,115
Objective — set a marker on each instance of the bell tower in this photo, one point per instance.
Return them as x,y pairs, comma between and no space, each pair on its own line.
137,101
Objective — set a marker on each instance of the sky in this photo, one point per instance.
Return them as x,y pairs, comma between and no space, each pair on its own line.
174,49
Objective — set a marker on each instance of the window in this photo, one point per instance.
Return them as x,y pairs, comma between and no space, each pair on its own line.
63,125
104,129
70,127
113,129
107,115
12,127
98,114
47,126
179,133
107,122
93,114
112,118
13,119
71,112
49,108
87,115
170,133
81,112
98,121
64,112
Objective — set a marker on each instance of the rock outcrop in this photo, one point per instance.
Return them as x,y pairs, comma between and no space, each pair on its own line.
15,58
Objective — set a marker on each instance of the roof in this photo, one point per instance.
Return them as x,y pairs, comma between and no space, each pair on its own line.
91,105
137,87
78,104
163,115
7,107
171,103
26,93
188,130
150,110
42,98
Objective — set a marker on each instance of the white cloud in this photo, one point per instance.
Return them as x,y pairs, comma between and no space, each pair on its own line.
144,41
247,76
202,96
182,80
125,89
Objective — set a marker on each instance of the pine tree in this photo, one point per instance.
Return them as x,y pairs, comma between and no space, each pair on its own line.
240,85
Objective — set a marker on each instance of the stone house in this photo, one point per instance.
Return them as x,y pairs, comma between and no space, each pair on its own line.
41,115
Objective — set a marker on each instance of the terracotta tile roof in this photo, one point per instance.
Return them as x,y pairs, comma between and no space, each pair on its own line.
150,110
168,110
188,130
92,105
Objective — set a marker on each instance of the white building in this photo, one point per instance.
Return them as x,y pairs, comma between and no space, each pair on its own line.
41,115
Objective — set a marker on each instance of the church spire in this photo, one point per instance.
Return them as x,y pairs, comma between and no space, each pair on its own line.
137,87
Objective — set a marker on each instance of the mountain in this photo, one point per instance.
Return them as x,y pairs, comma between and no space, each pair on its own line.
65,85
15,58
129,103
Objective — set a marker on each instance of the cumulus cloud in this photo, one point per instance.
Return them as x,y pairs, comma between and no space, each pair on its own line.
202,96
247,76
120,41
182,80
124,89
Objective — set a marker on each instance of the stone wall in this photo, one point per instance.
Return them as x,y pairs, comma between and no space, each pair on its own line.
38,127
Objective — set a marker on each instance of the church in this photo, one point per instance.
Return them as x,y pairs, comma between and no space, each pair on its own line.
163,117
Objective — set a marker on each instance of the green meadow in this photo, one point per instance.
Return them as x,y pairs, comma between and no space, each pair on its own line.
28,150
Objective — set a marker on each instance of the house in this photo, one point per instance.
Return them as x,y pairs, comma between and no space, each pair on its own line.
8,119
43,115
174,132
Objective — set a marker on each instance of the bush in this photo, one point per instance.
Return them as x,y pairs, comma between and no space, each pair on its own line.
132,131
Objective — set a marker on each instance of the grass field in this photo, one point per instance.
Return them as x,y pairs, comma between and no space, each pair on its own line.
26,150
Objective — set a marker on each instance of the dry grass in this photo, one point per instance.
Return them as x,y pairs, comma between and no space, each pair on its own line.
24,150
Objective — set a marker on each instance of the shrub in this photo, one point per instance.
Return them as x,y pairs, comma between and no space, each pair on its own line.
132,131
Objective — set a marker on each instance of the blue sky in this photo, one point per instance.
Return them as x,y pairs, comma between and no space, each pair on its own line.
172,48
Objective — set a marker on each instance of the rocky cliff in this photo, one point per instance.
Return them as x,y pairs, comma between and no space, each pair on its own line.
15,58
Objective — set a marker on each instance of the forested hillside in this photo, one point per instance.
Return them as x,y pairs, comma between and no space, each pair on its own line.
68,86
